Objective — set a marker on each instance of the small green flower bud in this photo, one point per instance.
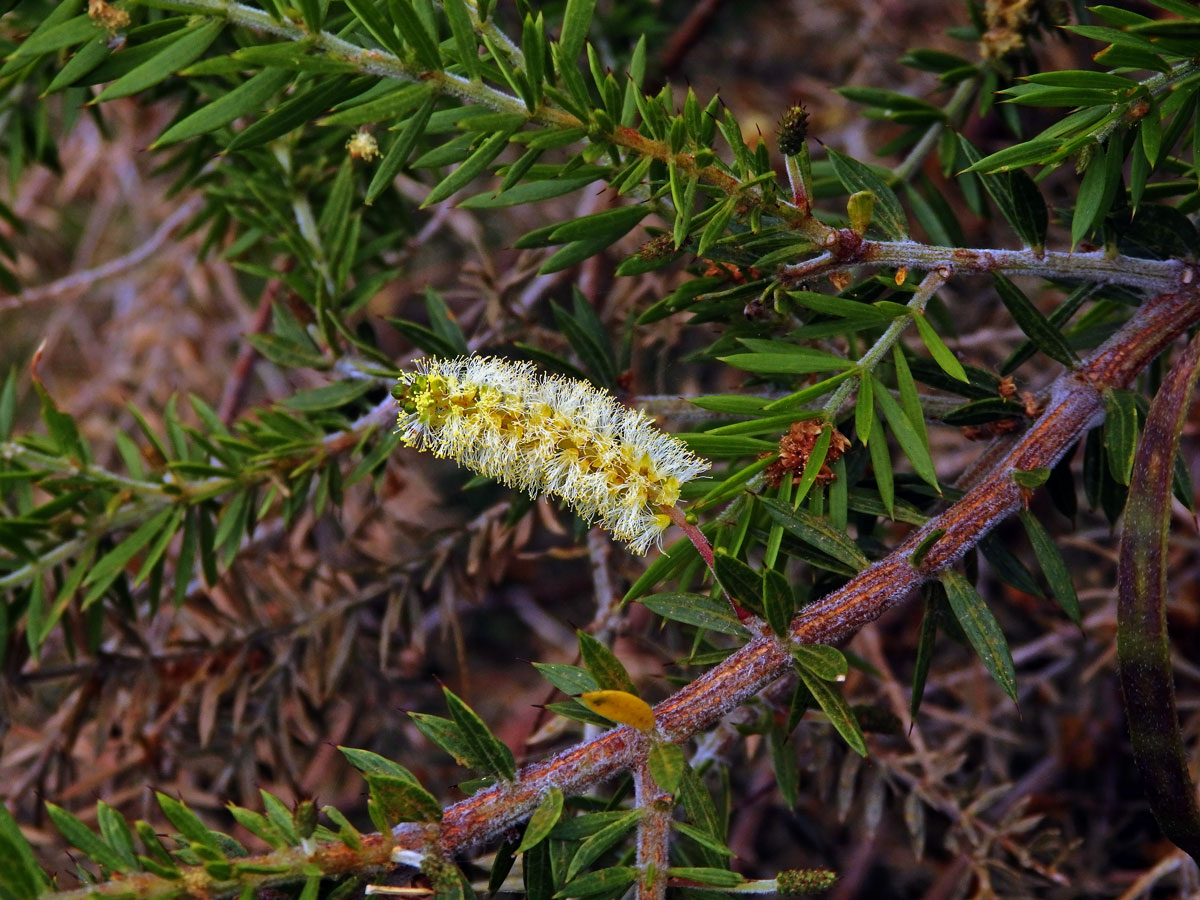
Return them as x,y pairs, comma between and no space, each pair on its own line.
304,817
442,874
601,127
793,129
657,247
805,881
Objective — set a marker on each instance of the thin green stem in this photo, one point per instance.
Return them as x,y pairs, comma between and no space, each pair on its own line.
285,866
148,497
124,517
372,62
307,223
962,94
488,29
1156,85
11,451
877,351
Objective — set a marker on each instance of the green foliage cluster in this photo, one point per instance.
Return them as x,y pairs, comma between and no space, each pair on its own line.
295,123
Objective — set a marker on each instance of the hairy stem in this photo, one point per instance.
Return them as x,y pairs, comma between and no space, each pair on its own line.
654,834
1151,275
694,534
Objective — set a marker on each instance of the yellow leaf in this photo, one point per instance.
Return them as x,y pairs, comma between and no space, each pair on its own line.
622,707
860,207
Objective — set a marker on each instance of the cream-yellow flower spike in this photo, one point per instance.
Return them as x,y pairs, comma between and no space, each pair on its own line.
549,435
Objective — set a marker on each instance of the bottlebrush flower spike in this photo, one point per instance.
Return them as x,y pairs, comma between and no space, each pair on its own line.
548,435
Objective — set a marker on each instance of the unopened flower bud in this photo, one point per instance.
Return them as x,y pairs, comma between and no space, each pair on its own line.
805,881
793,129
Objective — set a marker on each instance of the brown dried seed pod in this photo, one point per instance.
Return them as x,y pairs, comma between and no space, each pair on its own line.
796,447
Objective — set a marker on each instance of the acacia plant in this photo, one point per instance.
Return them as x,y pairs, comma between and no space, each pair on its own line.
205,587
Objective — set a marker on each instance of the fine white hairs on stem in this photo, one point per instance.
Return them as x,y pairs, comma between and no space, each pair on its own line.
549,435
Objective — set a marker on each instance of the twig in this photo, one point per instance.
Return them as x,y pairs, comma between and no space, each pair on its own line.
869,360
961,96
1161,869
687,34
131,514
85,279
149,497
1152,275
607,616
950,881
385,65
239,378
